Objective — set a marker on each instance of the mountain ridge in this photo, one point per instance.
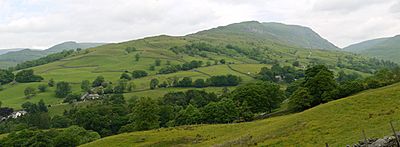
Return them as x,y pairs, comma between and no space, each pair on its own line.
384,48
294,35
12,58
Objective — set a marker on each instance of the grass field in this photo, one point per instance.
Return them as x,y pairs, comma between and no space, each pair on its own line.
338,123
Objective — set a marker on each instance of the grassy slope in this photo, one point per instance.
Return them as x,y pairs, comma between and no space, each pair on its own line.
111,60
338,123
383,48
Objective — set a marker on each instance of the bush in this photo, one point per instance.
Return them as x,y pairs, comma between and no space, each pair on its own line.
63,89
139,74
199,83
125,76
29,92
130,49
42,88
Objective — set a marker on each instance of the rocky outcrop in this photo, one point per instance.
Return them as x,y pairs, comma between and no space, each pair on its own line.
387,141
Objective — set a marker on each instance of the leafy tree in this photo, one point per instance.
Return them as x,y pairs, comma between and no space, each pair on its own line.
145,114
260,97
158,62
27,76
296,63
71,98
137,57
188,116
63,89
98,81
224,111
130,49
139,74
343,77
51,83
300,100
320,82
153,83
222,61
6,76
121,86
29,92
42,88
185,82
42,106
131,86
85,85
152,68
125,76
199,83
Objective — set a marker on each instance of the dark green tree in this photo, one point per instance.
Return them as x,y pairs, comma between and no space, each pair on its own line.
154,83
85,85
125,76
63,89
6,76
260,97
42,87
300,100
224,111
137,57
51,83
29,92
98,81
158,62
199,83
145,114
139,74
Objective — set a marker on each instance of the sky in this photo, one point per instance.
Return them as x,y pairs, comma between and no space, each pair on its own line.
43,23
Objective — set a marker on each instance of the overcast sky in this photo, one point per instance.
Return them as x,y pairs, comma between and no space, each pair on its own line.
43,23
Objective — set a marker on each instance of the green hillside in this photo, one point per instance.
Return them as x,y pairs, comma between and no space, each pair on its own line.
338,123
293,35
245,55
383,48
13,58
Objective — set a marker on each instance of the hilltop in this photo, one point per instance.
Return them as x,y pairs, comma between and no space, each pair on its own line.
338,123
383,48
271,32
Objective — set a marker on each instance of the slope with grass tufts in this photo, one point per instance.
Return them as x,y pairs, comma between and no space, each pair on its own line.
337,123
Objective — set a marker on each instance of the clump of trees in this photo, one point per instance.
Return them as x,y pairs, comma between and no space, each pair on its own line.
72,136
27,76
277,74
139,74
320,86
6,77
186,66
216,81
130,49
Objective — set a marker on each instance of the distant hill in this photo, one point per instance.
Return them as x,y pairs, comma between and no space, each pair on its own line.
4,51
383,48
12,58
292,35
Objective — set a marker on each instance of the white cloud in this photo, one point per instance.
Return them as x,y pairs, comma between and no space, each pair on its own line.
27,23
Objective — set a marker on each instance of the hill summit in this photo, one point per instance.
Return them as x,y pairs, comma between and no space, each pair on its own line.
292,35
